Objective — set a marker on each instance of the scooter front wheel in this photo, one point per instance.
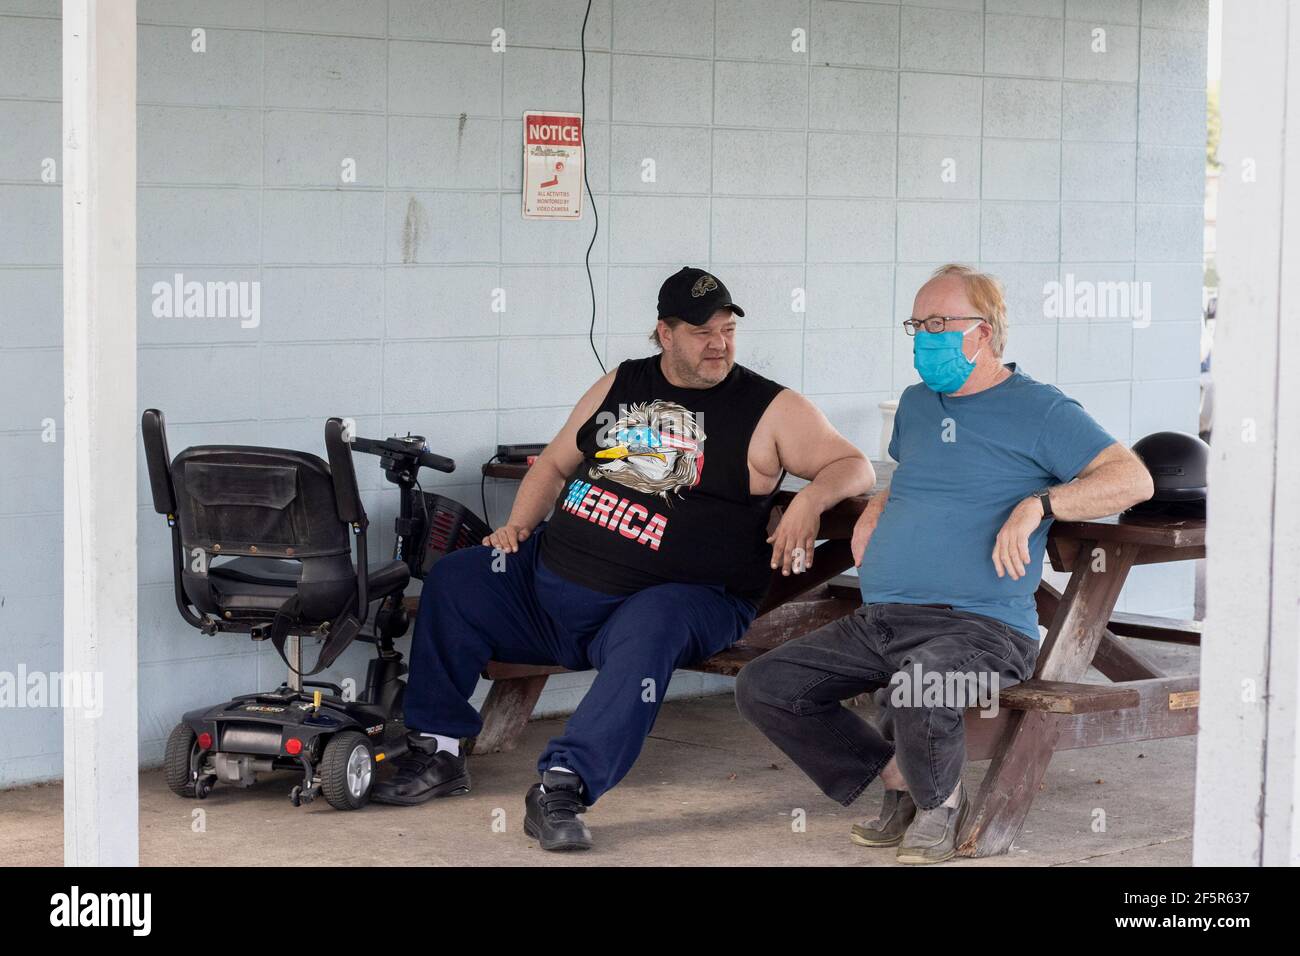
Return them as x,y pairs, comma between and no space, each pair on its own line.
347,770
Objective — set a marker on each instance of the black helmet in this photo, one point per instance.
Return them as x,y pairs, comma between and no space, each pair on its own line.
1178,463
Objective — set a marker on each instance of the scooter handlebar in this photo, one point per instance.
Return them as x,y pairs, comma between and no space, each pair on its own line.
437,462
398,447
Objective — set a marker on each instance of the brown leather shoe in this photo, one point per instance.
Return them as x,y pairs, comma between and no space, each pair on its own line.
887,829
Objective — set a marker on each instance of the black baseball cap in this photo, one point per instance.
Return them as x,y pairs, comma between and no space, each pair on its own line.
693,295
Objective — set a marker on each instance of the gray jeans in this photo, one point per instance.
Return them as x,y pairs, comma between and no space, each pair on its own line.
793,694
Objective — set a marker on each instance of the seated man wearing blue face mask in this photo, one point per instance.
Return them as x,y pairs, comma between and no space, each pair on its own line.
949,557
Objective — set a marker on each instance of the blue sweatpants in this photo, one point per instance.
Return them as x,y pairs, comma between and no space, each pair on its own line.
477,607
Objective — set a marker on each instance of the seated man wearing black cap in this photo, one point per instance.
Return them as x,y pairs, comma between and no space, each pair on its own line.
655,556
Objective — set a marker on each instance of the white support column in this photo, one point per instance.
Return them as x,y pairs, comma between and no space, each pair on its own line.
100,750
1247,772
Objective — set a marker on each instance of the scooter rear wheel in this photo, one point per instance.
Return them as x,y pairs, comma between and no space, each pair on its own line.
176,761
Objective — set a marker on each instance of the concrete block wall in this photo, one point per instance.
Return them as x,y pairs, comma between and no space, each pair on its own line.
813,174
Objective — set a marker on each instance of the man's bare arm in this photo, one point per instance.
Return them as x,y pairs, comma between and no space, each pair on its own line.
865,526
807,445
547,475
1113,481
1116,479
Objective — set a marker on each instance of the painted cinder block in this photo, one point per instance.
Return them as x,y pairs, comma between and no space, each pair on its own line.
854,34
758,230
1019,232
1171,116
1175,14
1022,108
677,27
1093,351
1104,172
1170,174
1101,51
441,227
427,152
551,80
660,89
1104,11
443,79
323,72
1169,233
852,164
853,100
938,231
1021,169
166,231
465,21
423,302
440,376
1096,232
760,94
338,150
39,208
846,360
30,49
644,229
335,227
227,73
759,162
555,24
681,158
1098,111
941,39
940,105
851,230
23,158
192,146
1022,46
1174,57
938,167
352,17
760,29
551,300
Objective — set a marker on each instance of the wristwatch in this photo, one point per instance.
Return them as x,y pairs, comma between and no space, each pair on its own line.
1045,499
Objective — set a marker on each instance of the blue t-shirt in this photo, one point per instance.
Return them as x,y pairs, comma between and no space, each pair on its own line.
964,462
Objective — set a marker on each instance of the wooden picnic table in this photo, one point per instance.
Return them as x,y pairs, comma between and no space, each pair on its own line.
1054,711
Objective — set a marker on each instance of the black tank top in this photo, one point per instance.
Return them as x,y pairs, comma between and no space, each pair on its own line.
662,494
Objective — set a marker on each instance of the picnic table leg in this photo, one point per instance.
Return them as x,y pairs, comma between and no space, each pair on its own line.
509,704
1020,761
1114,658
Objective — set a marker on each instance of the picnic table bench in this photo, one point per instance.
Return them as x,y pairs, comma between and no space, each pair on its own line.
1055,710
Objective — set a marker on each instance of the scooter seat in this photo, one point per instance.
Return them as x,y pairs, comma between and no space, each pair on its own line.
260,586
269,572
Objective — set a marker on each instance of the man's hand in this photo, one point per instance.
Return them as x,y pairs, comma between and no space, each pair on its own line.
795,536
1011,549
508,538
862,532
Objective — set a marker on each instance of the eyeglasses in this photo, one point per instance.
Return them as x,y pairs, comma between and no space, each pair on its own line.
938,323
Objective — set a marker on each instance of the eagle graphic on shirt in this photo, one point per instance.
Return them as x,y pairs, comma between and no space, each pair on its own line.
654,447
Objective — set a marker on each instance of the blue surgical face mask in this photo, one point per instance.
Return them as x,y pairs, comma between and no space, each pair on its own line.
939,359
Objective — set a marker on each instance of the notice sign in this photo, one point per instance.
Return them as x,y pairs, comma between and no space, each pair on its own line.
552,165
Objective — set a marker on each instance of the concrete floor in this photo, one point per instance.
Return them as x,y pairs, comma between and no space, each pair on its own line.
708,789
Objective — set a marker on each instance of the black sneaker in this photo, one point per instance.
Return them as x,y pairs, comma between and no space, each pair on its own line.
422,773
551,814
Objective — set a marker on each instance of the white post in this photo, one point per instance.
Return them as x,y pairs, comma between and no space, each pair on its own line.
100,750
1247,782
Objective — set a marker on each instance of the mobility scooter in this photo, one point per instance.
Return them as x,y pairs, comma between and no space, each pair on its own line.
261,541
